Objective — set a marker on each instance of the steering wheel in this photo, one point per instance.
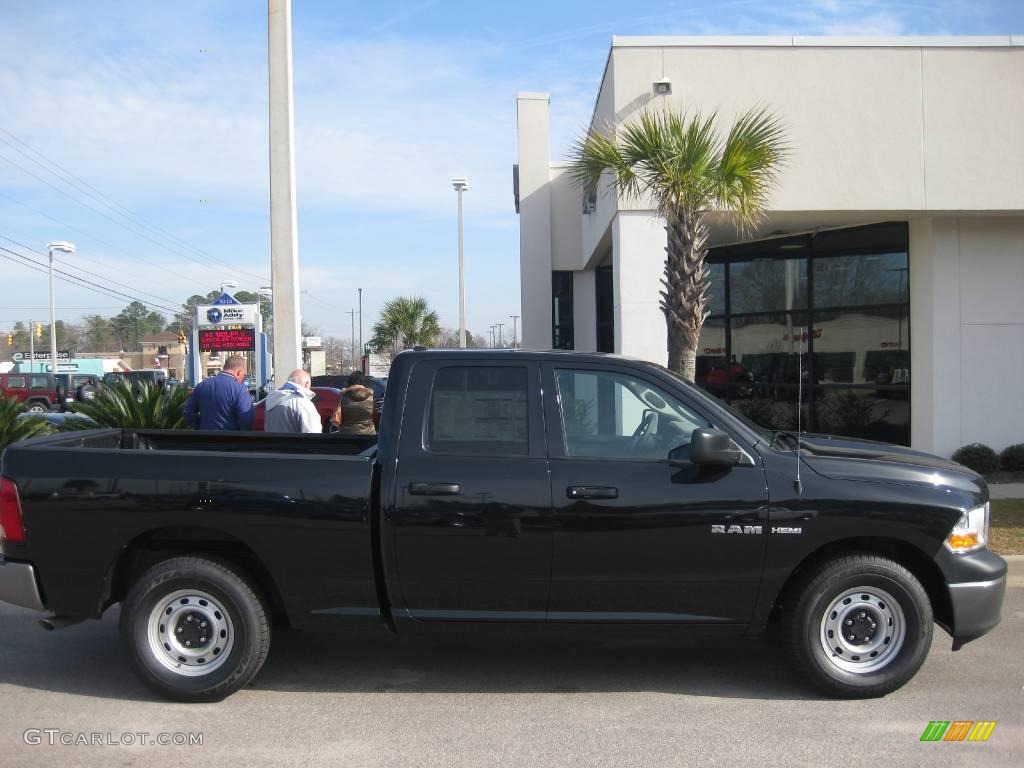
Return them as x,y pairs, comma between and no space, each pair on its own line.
649,420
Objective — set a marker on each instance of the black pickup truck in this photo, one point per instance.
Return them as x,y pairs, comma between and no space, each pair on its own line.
506,486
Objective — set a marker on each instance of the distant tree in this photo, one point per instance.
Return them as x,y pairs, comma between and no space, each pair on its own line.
133,322
405,322
338,353
448,338
97,335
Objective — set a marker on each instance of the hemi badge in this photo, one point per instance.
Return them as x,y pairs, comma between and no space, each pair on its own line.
786,529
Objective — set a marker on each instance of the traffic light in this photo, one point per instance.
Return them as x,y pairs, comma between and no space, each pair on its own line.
39,330
182,339
10,339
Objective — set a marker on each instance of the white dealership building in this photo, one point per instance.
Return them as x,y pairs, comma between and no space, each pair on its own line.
892,253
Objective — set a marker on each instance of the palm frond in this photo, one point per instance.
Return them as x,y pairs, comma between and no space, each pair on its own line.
142,406
15,427
751,157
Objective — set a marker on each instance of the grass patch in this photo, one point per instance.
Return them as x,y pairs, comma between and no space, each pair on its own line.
1006,528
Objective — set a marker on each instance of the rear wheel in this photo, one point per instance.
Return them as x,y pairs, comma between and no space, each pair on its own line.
859,626
36,406
194,629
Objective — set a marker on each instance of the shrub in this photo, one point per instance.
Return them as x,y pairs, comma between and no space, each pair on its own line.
143,406
845,413
978,457
767,412
13,428
1012,458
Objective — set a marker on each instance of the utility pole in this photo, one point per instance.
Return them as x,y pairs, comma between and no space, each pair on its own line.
515,329
492,336
352,315
501,339
31,345
461,184
284,237
360,329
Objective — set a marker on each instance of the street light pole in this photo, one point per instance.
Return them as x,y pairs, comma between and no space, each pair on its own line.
461,184
360,329
515,330
352,315
64,247
501,339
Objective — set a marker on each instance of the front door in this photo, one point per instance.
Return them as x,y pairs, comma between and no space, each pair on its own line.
472,514
634,538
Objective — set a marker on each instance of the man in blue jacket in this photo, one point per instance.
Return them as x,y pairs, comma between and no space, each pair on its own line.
221,401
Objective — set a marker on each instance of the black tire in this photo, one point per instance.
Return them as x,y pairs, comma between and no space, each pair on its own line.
37,406
86,393
227,595
880,599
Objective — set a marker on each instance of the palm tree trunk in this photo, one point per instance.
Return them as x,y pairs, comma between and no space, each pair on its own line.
684,298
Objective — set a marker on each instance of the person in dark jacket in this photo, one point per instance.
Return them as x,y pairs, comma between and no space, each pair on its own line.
354,414
222,401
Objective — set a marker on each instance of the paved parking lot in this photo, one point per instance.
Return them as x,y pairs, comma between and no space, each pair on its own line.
508,698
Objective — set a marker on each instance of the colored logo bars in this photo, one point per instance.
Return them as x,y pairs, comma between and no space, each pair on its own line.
958,730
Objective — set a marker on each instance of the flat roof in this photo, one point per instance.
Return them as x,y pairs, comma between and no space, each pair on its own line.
805,41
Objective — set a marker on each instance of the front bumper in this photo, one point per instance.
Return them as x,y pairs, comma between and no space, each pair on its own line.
19,586
977,585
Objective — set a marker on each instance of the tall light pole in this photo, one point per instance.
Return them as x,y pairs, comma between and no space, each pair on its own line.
64,247
352,315
225,284
515,329
501,340
460,184
284,238
360,329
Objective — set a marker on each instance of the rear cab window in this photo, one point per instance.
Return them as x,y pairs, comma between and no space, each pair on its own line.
478,410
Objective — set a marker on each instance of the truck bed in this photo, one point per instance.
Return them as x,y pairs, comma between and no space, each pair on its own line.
300,504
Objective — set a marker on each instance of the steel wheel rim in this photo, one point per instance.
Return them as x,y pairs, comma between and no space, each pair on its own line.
178,638
876,623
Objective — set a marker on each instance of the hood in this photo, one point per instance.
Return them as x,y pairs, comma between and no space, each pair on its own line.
357,393
846,458
288,392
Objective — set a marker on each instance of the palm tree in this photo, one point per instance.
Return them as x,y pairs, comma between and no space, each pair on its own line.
139,406
13,428
407,321
687,170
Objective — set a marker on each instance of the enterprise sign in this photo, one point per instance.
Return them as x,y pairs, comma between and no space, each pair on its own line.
225,340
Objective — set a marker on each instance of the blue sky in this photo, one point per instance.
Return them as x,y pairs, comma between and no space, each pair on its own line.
391,100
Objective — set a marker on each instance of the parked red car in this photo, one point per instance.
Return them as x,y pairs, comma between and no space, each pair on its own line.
326,401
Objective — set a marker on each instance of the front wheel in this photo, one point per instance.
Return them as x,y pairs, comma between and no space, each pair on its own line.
858,626
194,630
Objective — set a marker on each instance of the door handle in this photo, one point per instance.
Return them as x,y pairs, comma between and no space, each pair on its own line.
434,489
591,492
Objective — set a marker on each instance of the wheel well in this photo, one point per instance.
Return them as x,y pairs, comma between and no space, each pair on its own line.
154,546
907,555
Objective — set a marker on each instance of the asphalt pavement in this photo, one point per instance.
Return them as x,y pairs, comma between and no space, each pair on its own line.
503,698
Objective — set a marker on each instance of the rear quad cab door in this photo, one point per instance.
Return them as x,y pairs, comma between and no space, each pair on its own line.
472,515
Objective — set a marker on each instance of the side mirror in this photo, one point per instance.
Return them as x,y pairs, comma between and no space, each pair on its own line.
711,447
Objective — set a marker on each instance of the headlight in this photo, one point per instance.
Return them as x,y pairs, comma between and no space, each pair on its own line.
971,531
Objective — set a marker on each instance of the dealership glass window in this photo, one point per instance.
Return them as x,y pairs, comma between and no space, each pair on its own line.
479,410
842,296
561,310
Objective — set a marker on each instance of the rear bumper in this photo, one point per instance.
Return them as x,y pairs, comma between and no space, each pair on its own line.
19,586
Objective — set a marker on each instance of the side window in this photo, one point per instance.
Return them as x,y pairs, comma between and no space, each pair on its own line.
40,382
16,382
615,415
478,410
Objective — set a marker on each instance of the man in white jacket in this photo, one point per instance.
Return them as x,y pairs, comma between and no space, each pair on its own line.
290,408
